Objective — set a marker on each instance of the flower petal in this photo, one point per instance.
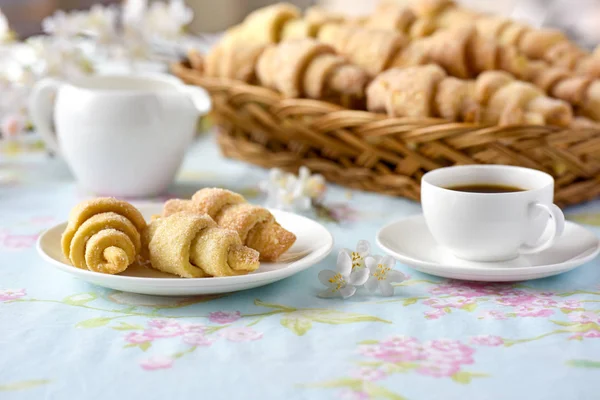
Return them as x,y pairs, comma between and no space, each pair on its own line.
344,263
372,284
363,248
388,261
327,294
371,262
302,203
325,276
386,288
347,291
395,276
303,173
358,277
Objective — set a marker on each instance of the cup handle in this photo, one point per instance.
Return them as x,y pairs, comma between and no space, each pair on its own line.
557,226
41,110
199,97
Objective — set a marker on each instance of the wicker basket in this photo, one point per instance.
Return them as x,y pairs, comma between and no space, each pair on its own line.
369,151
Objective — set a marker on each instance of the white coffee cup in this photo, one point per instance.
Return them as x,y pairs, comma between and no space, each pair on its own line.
121,135
491,226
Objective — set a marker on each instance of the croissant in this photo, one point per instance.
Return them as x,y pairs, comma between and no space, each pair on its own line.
368,48
510,101
265,25
103,235
193,246
308,68
255,225
424,91
308,26
549,45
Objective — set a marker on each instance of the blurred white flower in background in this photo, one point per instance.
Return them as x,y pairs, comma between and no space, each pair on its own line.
290,192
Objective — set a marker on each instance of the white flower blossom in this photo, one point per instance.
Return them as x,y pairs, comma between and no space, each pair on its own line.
6,34
382,274
363,248
288,192
344,280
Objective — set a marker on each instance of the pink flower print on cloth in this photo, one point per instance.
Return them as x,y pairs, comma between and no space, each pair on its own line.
525,310
434,314
11,294
17,242
584,317
224,317
516,300
472,289
493,314
136,337
487,340
438,369
197,339
157,362
588,334
448,350
570,304
240,334
163,329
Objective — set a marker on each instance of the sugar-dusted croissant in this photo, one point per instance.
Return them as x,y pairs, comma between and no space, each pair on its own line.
510,101
308,26
305,67
103,235
193,246
265,25
368,48
255,225
423,91
550,45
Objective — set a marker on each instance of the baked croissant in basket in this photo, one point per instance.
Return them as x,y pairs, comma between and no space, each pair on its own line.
495,97
305,67
103,235
510,101
424,91
193,246
550,45
255,225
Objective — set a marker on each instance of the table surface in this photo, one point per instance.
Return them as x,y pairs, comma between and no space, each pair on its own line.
62,338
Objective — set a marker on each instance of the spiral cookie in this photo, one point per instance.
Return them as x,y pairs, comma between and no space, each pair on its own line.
103,235
193,246
255,225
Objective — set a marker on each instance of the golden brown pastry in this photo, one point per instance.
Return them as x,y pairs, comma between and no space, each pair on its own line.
423,91
265,25
103,235
550,45
510,101
305,67
193,246
255,225
368,48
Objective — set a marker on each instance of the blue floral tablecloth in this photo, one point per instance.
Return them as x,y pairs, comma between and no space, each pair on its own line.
61,338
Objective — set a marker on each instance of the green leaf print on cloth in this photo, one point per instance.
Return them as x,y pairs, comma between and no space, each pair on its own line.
22,385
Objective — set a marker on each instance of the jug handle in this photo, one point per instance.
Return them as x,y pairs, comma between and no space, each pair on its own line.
41,110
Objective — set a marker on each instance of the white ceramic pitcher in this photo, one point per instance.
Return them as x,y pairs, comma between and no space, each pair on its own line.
121,135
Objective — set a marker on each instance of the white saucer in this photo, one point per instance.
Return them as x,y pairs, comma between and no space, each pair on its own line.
314,242
409,241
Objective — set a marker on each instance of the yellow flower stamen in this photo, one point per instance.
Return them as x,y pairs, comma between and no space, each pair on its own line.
357,260
381,272
338,281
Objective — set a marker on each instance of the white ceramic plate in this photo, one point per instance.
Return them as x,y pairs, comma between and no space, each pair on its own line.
409,241
313,243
